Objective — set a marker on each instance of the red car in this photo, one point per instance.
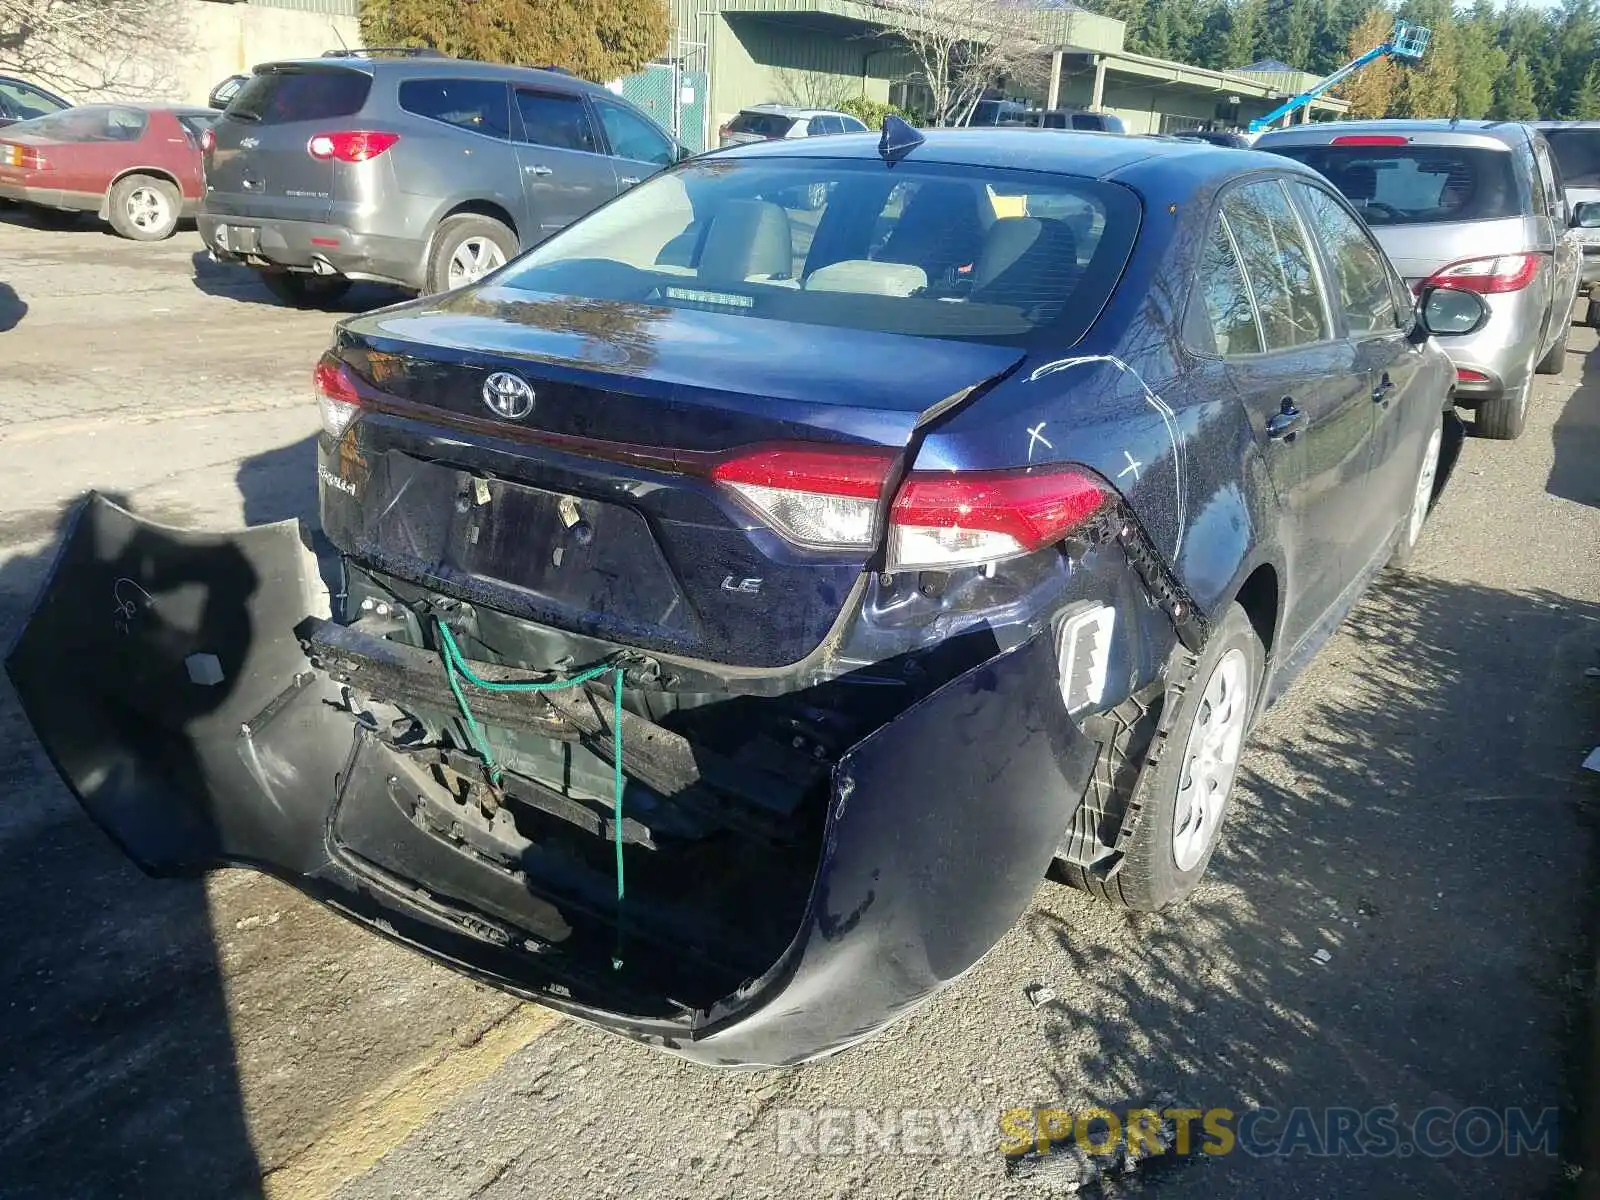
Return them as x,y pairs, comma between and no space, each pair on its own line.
137,166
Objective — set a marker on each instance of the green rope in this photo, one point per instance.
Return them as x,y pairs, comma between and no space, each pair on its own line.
456,669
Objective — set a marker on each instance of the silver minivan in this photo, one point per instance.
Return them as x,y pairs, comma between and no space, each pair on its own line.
1576,146
1473,205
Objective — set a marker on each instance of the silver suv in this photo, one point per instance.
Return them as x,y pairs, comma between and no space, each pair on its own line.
423,171
1472,205
1576,146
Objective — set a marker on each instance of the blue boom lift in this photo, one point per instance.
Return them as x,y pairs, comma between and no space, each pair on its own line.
1407,44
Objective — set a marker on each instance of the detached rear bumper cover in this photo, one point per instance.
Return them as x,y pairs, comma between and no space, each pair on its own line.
163,675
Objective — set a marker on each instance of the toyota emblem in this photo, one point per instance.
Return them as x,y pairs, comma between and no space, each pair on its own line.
508,396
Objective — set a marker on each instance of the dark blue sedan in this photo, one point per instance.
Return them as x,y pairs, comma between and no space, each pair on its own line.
750,592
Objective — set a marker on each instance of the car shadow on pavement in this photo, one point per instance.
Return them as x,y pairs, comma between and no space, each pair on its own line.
12,308
120,1075
1398,914
1575,474
235,282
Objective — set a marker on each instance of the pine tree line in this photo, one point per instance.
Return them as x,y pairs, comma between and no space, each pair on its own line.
1509,61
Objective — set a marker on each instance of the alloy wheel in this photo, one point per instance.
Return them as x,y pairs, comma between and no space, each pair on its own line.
1210,758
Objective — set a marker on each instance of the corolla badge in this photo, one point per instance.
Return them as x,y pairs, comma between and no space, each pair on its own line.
508,396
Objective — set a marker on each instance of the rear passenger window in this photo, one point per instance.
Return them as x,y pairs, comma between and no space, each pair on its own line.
480,105
823,125
1230,324
1278,263
1362,277
276,97
556,120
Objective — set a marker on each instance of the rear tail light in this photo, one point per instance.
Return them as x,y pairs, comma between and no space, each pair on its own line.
1369,139
208,140
1465,376
26,157
1487,276
725,131
830,498
820,497
337,397
351,145
940,521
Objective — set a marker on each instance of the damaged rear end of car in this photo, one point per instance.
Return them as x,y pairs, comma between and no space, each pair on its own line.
666,685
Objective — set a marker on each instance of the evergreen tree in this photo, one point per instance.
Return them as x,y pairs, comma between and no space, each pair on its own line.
1586,101
597,40
1370,91
1243,42
1514,94
1482,62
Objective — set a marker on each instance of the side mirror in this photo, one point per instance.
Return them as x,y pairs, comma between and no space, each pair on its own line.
1447,312
1586,216
684,153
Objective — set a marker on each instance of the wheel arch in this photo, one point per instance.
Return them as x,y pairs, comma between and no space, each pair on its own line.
160,173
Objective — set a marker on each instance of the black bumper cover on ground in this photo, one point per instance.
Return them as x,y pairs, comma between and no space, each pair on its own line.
162,673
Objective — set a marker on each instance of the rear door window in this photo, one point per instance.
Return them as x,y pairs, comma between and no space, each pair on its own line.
1229,327
824,125
767,125
556,119
1417,184
195,124
1578,153
1362,281
1279,264
479,105
283,97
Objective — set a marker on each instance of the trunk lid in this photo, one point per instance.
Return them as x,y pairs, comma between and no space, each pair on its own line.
596,511
260,164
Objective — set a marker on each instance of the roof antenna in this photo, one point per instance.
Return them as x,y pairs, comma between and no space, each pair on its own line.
343,45
899,139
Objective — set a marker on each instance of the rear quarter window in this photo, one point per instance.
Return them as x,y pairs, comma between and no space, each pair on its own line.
1418,185
91,123
282,97
481,105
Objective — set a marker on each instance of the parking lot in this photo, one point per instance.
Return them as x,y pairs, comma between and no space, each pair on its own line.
1414,808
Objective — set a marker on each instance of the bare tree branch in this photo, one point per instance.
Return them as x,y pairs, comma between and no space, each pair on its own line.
93,48
963,46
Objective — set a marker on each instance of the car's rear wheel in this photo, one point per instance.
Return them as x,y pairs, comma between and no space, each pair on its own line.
1182,794
467,248
1506,417
144,208
304,290
1422,496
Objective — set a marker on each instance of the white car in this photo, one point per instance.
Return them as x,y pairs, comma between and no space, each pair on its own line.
770,122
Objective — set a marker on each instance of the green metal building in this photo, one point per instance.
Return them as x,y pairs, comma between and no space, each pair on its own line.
728,54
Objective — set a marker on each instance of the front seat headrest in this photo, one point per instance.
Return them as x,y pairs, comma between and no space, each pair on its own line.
747,238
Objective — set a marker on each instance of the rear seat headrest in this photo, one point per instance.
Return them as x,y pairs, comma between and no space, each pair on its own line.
746,238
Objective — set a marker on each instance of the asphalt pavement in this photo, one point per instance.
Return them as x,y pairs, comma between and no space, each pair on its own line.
1399,914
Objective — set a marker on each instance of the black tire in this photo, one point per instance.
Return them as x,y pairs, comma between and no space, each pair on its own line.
1592,317
305,290
144,208
1553,362
1413,526
456,232
1150,876
1505,419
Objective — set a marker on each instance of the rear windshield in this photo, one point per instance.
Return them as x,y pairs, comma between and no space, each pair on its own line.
90,123
1417,185
1577,153
279,97
928,250
770,125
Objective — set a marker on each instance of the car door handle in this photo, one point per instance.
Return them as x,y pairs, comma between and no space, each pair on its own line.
629,180
1288,422
1381,392
539,169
